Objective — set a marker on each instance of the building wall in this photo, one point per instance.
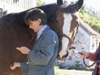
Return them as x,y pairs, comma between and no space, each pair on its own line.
17,5
1,12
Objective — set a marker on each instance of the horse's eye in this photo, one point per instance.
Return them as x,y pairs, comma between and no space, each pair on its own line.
56,21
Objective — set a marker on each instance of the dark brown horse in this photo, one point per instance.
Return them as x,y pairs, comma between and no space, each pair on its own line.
62,18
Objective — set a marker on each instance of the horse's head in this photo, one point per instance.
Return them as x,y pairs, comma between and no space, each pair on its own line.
66,25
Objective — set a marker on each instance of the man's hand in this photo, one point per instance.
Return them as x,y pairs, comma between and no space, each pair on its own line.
23,49
84,54
14,65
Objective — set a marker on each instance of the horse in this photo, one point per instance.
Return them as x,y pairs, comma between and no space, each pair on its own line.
62,18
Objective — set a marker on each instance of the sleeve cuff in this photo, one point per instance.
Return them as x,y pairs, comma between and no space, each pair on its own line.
24,68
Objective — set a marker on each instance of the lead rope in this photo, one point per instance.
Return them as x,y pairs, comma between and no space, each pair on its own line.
26,45
95,69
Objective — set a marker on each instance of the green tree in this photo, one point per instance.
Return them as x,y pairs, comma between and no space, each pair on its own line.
91,17
39,2
98,15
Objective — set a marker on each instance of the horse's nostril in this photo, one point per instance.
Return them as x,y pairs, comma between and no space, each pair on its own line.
72,48
65,55
63,58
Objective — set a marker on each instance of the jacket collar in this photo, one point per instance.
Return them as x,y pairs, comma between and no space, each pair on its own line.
45,30
43,33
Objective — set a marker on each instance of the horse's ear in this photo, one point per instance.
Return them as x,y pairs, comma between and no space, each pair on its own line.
79,4
59,2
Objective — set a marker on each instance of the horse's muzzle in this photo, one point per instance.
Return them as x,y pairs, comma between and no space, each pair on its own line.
63,59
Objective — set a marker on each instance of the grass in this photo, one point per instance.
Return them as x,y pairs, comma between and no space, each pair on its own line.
71,72
60,72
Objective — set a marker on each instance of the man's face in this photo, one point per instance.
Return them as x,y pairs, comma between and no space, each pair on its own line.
35,25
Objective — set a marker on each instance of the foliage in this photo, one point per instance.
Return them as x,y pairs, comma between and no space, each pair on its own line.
91,17
60,72
39,2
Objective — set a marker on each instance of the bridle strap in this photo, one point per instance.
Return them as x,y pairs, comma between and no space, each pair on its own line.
64,35
68,37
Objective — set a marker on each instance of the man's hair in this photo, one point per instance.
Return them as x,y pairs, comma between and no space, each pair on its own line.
35,14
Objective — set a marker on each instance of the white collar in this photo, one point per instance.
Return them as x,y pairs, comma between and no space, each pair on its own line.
42,29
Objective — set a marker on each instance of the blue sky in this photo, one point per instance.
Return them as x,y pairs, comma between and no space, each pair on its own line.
90,3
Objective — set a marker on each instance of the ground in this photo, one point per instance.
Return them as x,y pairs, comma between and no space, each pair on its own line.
77,72
72,72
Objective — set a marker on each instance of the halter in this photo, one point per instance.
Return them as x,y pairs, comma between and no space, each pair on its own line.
64,35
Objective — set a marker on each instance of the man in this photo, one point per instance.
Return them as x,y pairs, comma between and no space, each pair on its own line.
42,58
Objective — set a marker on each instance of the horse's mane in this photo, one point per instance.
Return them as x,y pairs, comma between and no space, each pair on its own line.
49,9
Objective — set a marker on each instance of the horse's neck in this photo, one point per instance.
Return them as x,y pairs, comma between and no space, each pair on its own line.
50,10
15,18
